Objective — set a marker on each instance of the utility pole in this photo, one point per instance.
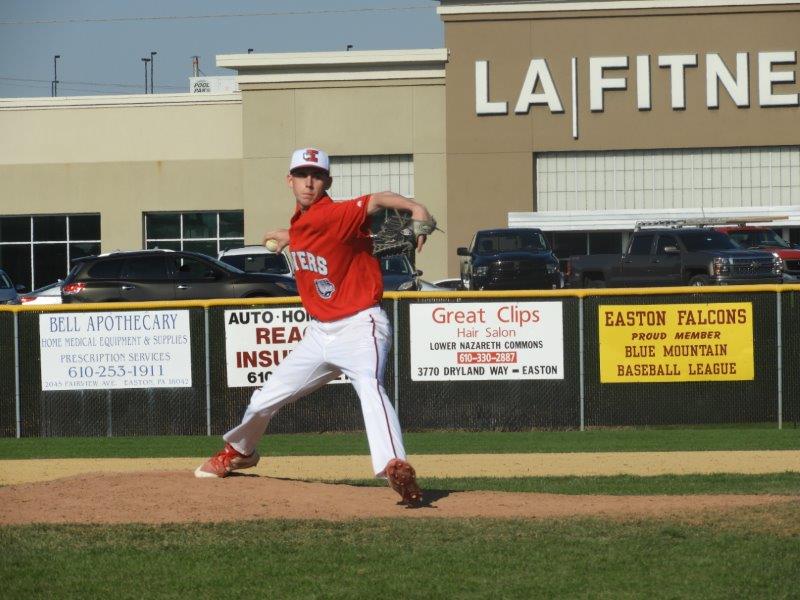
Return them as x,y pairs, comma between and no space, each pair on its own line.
54,84
145,61
152,78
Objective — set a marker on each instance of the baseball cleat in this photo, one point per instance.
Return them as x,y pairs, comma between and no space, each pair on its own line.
226,460
403,480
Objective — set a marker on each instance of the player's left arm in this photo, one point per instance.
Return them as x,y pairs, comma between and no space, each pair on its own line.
384,200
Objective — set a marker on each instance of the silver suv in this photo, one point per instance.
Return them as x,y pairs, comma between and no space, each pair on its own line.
257,259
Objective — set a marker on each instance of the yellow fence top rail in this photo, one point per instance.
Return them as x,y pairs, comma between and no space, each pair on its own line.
563,293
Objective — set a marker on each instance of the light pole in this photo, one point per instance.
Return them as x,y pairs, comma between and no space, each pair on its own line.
54,85
145,61
152,79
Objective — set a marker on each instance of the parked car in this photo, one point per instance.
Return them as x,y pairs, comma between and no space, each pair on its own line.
509,259
440,285
48,294
449,283
398,274
165,275
676,256
257,259
9,293
763,238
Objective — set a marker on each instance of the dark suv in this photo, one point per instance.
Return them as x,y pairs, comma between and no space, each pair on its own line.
509,259
165,275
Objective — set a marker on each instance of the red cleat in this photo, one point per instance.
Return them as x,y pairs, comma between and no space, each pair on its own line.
226,460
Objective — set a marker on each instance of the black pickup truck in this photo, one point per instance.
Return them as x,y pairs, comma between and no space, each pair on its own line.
509,259
675,256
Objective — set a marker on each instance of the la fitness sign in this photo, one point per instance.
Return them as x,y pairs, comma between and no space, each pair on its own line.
775,86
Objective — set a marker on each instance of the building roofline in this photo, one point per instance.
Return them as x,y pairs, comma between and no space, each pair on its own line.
130,100
462,7
295,60
355,65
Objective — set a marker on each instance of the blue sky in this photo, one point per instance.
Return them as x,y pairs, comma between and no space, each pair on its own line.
97,53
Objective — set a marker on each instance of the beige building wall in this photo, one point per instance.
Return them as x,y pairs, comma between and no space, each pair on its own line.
345,120
120,157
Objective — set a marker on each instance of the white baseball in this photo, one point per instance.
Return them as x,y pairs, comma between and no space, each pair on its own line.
271,245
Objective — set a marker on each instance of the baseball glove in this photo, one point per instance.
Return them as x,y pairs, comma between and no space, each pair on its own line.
403,480
398,234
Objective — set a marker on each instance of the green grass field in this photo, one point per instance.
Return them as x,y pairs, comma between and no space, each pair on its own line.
751,553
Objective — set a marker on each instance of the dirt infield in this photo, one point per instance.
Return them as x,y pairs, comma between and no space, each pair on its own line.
177,497
165,490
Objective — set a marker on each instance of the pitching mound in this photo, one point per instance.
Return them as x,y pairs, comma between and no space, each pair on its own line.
178,497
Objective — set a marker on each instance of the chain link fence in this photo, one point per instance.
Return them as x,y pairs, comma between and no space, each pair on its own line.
577,399
109,412
509,405
790,363
8,375
689,402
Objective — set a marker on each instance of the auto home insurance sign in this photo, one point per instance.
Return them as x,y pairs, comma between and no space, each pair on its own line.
115,350
499,340
257,340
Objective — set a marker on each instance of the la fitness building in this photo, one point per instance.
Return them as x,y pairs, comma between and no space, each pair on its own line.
581,118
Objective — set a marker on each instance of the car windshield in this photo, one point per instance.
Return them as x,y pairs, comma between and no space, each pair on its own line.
5,282
754,238
396,265
259,263
222,265
696,241
511,241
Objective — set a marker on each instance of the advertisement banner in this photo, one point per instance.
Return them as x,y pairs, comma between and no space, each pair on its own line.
676,342
115,350
479,340
257,340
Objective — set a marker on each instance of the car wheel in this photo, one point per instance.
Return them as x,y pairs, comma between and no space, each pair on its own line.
699,280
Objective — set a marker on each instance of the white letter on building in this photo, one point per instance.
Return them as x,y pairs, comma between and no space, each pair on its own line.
538,71
677,64
737,87
643,82
767,77
482,104
597,83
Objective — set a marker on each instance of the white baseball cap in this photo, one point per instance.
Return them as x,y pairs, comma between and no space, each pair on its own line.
310,157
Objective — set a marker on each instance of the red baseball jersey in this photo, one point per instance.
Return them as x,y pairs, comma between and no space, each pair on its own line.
336,274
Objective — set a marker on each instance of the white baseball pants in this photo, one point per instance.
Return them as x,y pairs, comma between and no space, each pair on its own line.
357,346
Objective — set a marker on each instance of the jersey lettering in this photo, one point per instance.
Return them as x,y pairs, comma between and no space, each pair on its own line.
307,261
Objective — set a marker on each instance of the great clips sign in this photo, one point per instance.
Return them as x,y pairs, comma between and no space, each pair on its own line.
774,82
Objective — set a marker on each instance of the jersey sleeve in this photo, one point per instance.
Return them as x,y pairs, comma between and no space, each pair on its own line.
350,219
